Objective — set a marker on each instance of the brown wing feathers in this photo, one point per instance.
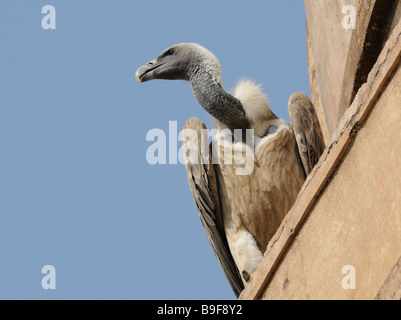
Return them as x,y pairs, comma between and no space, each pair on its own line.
307,130
203,185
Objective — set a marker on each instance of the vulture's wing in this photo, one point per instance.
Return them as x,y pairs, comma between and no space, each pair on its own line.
203,184
307,130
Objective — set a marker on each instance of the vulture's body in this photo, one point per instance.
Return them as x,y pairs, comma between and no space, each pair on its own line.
240,209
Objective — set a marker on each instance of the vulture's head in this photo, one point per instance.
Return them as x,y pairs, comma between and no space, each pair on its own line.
180,62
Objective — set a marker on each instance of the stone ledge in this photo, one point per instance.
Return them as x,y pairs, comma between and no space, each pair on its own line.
351,122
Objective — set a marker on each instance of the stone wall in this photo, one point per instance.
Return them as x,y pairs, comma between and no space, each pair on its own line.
346,223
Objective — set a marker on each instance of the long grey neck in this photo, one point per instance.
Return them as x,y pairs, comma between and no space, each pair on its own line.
217,102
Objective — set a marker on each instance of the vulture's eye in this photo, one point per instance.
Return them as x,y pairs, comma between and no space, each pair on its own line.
169,52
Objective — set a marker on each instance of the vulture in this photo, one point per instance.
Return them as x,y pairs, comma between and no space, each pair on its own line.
240,210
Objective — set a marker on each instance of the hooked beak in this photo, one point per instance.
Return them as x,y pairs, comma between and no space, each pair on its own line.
147,72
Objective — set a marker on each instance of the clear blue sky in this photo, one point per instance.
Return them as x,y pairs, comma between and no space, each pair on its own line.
76,191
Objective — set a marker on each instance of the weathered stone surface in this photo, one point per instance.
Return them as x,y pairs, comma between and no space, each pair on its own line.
391,289
348,211
333,54
356,221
